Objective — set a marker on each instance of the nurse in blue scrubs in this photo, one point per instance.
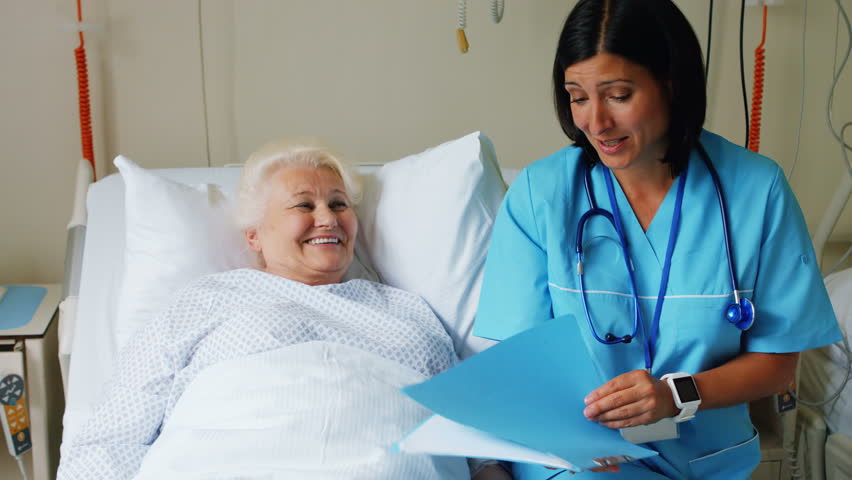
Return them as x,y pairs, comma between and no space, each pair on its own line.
710,283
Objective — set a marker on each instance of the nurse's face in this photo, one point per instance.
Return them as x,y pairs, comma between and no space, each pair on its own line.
622,109
308,229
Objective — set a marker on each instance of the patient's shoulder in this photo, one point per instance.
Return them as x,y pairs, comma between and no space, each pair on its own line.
226,283
392,300
203,294
387,292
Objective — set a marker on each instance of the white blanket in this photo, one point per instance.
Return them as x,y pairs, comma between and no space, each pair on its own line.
316,410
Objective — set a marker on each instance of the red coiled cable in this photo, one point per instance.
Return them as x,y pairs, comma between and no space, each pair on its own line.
83,96
757,95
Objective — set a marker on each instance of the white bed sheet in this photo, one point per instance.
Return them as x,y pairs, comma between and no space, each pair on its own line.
283,395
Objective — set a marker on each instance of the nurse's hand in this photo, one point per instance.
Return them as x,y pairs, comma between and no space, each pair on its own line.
633,398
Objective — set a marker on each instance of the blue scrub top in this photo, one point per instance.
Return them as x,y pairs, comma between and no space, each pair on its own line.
530,277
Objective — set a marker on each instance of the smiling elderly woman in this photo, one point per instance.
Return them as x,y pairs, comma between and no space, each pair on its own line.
279,371
296,210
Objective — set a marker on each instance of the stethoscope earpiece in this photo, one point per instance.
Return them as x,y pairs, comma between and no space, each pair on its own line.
741,314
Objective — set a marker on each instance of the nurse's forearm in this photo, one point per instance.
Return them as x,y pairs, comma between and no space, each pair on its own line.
745,378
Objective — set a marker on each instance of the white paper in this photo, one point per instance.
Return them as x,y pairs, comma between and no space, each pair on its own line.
442,436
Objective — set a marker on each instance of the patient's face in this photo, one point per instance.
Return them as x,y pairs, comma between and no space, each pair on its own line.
309,227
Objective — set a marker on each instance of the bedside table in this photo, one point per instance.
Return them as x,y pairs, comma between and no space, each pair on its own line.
29,347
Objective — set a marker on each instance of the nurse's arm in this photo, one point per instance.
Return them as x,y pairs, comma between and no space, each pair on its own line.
748,377
636,398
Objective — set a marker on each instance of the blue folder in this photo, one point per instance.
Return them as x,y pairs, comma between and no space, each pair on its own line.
529,389
19,305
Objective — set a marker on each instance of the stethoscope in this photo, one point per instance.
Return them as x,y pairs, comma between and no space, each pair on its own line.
740,313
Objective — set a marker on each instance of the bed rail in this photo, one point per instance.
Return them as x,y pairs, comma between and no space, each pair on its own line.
76,231
73,268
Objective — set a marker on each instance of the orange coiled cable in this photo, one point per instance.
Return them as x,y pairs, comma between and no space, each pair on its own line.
757,95
83,96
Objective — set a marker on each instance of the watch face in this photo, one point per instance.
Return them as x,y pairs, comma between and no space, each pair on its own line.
686,389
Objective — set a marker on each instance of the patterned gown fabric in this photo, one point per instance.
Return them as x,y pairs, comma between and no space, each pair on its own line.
235,314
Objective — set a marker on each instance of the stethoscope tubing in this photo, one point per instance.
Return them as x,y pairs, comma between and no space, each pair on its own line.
615,220
594,210
723,208
579,249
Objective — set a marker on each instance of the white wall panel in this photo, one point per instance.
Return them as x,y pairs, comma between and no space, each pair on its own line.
191,83
39,140
154,93
383,79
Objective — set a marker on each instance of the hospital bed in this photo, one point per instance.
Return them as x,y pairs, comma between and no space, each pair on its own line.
823,433
425,221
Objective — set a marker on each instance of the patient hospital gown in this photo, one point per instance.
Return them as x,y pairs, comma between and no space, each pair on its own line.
236,314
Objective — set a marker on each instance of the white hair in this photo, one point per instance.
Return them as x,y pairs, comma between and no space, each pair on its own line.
301,152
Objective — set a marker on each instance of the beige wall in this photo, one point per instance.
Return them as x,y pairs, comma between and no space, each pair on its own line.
39,140
189,83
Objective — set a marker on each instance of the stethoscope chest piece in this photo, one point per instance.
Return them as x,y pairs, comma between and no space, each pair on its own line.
741,314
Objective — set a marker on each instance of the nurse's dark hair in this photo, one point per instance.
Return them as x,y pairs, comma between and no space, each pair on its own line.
653,34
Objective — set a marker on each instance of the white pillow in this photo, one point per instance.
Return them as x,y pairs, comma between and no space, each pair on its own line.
175,233
425,224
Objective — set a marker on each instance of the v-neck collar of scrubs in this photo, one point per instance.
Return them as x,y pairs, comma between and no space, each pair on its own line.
650,337
649,243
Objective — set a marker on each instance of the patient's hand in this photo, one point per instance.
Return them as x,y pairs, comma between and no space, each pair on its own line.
630,399
492,472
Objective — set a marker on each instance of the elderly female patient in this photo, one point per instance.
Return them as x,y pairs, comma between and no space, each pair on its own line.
280,371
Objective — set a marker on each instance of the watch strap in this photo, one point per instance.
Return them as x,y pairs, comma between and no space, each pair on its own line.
686,413
687,410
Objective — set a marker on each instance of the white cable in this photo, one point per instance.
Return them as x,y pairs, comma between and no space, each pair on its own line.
844,345
842,135
22,467
843,149
837,73
801,93
497,10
